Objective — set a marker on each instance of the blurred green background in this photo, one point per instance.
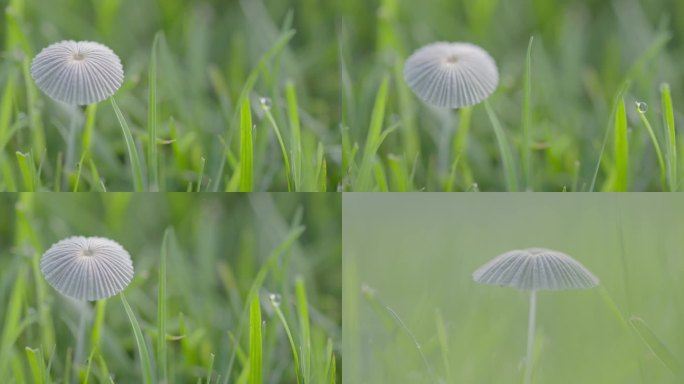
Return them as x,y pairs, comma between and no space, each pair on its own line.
415,255
583,51
221,243
208,50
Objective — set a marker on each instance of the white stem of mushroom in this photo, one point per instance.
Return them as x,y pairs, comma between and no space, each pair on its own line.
74,122
80,335
530,336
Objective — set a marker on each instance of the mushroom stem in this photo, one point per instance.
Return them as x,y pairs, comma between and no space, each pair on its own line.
80,335
74,126
530,336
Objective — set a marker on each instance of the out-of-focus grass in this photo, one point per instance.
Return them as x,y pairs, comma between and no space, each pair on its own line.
224,260
555,114
189,66
412,312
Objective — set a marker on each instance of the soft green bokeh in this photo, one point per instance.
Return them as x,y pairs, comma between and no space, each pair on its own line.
221,241
416,254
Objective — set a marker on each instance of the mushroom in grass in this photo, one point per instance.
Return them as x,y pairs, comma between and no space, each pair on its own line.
532,270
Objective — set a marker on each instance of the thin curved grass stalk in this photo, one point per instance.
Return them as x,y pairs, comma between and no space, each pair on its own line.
146,362
136,167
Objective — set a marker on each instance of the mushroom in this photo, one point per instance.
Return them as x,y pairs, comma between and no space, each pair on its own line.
535,269
451,75
77,73
87,268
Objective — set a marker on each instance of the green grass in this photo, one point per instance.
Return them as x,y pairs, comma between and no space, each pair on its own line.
188,73
197,308
330,108
412,312
561,67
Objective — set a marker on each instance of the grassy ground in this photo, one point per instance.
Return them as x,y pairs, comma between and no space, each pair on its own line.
188,98
248,280
407,267
320,85
565,132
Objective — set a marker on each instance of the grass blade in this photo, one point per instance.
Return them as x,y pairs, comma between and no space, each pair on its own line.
304,329
146,363
152,159
657,346
37,365
255,353
279,314
162,353
671,137
283,150
661,163
527,144
295,135
504,150
28,171
246,147
621,149
136,167
374,138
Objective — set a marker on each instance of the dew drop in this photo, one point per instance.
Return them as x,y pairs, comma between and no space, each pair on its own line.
265,102
641,106
275,299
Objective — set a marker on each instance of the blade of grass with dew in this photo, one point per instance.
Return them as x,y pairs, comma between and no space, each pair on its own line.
152,159
527,145
280,43
286,327
295,134
400,175
255,352
37,365
671,136
656,345
330,362
210,369
281,248
28,171
162,352
504,150
145,361
269,116
304,328
374,138
621,149
136,167
661,163
246,147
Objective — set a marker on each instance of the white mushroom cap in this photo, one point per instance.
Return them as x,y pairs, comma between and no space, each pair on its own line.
451,75
535,269
87,268
79,73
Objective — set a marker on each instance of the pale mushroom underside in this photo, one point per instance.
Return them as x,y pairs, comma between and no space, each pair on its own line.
535,269
451,75
77,73
92,268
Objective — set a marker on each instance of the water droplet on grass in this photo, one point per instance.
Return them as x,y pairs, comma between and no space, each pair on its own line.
275,299
641,106
265,102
